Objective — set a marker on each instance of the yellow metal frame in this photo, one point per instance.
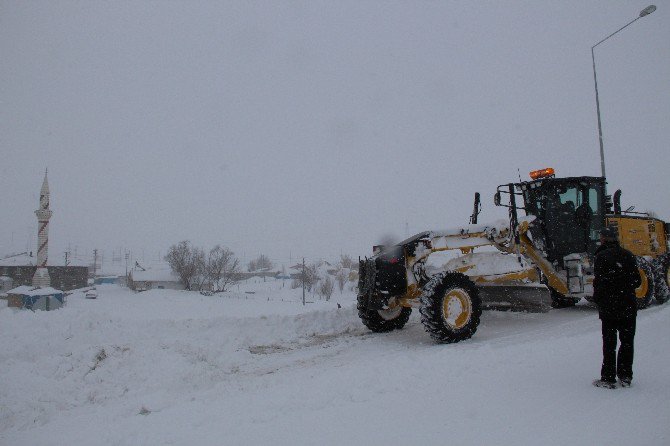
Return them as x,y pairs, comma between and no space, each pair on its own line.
641,291
643,236
450,242
553,279
453,296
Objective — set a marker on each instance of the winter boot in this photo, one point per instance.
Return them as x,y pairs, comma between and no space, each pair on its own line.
605,384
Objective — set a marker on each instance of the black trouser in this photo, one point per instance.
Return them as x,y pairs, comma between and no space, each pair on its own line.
621,365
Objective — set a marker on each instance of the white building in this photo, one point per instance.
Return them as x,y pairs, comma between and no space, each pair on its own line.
158,277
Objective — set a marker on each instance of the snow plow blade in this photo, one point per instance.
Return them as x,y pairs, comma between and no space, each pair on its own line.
534,298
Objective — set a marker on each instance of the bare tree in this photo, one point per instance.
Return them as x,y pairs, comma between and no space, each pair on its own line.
222,268
347,262
308,278
187,263
326,287
341,277
311,276
251,266
262,263
200,268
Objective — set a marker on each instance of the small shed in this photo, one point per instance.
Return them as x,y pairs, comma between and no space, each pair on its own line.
35,298
158,278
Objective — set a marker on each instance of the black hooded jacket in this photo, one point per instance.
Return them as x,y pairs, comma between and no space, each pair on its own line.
616,277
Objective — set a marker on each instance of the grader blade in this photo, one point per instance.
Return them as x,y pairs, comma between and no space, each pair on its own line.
532,297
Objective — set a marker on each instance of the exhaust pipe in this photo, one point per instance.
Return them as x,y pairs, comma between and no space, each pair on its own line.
477,209
617,202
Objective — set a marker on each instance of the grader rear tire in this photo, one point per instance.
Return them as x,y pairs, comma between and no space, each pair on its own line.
645,292
662,278
383,321
450,307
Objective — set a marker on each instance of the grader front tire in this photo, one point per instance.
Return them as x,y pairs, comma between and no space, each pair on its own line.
382,321
450,307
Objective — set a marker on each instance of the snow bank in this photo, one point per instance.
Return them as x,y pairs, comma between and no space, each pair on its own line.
171,367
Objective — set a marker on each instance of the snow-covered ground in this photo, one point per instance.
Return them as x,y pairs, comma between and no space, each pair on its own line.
174,367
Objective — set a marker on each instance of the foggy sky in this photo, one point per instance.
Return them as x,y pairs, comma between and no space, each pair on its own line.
314,128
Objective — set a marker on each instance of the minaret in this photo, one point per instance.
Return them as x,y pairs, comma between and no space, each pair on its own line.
41,277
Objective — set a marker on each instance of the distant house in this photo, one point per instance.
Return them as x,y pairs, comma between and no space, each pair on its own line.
154,278
32,298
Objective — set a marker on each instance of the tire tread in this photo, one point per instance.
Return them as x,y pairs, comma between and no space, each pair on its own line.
431,307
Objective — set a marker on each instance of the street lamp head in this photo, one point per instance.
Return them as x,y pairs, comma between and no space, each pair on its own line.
648,10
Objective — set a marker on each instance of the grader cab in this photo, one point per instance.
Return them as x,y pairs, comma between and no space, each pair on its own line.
543,258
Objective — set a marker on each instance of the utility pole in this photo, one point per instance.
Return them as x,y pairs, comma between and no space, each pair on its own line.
95,262
303,281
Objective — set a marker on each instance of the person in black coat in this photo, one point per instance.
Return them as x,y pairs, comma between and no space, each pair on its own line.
614,284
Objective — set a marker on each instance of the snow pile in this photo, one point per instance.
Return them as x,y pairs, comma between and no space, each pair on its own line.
172,367
487,263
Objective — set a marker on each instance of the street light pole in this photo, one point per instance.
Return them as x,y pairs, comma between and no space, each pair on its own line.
645,12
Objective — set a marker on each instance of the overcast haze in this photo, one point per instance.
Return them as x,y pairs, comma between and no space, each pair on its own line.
314,128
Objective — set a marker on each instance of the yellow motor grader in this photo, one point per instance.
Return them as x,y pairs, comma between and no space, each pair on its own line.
543,258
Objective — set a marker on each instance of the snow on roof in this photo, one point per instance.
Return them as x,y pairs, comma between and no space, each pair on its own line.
34,291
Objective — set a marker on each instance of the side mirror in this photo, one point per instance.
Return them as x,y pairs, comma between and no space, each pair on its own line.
496,198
